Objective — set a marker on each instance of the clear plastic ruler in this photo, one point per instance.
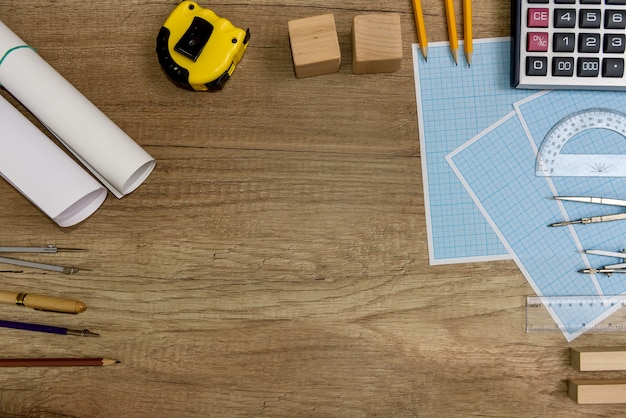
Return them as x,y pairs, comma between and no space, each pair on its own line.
609,311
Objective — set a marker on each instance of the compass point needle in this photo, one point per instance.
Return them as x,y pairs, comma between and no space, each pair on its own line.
567,223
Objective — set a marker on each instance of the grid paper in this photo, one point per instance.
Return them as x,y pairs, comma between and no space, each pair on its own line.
454,104
497,168
540,114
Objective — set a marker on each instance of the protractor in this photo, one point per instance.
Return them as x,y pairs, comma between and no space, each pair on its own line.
552,162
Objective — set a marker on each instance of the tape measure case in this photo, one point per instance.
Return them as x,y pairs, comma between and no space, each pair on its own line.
199,50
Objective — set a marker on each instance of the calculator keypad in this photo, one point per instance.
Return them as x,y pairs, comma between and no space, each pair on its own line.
569,44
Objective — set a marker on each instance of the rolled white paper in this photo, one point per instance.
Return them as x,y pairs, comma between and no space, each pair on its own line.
43,173
107,151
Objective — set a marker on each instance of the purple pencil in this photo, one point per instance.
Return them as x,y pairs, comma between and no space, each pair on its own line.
47,328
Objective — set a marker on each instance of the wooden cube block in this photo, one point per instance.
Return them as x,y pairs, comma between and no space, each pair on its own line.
597,391
594,359
376,43
314,45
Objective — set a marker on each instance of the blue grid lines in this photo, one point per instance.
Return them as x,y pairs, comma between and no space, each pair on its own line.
455,104
498,171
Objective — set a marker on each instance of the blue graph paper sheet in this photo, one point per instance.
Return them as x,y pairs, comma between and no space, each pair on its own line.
540,115
497,168
455,103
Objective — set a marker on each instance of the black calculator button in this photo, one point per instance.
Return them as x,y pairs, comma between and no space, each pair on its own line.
540,1
563,66
615,19
588,67
589,19
589,42
590,1
564,18
564,42
564,1
613,43
536,66
613,67
618,2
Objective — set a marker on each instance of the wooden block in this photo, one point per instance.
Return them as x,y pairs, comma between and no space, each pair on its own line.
376,43
314,45
594,359
597,391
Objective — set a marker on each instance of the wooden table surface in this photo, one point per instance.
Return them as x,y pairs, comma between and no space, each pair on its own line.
275,263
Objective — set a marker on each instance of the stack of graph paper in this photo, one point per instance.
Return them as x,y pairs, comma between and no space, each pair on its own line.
479,141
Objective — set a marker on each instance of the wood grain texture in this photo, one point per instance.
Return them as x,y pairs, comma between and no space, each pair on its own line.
598,358
275,262
314,45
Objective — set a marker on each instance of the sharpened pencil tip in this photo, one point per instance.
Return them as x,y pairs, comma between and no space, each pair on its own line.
455,56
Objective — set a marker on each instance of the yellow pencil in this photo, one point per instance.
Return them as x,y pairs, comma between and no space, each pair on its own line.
454,42
421,28
467,28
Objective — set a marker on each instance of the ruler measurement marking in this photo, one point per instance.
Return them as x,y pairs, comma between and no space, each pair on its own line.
539,320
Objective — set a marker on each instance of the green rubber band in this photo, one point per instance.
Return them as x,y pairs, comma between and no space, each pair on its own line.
13,49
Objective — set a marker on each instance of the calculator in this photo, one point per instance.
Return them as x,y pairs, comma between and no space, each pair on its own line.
568,44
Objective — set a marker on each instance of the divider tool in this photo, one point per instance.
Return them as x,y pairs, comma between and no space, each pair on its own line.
36,265
609,268
593,219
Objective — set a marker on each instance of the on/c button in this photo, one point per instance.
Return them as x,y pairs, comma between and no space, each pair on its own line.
537,42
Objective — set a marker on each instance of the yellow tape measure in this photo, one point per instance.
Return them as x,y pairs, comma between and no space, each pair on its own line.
197,49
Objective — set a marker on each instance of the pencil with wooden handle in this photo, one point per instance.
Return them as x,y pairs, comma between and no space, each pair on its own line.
56,362
454,41
420,27
467,29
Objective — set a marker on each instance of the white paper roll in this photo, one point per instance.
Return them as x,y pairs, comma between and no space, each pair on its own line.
111,155
42,172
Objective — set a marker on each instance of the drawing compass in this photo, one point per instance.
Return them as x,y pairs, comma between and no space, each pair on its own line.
552,162
608,269
47,250
593,219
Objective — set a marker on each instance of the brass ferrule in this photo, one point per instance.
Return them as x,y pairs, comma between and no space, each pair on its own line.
19,299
